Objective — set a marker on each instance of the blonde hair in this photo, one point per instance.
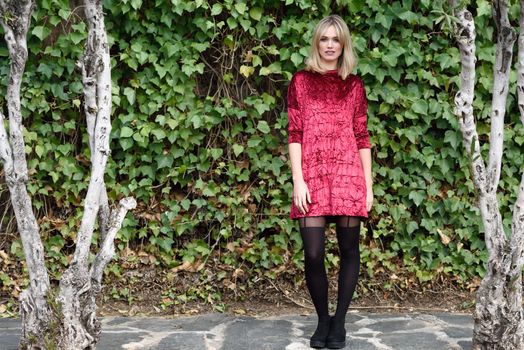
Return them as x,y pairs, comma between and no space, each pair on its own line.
347,60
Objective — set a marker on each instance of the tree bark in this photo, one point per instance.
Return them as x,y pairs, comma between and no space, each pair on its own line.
80,284
35,311
498,311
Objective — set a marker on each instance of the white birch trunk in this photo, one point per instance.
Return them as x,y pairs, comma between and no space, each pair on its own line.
74,324
81,283
34,309
498,312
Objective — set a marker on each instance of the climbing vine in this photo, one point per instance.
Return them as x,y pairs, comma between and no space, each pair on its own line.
199,132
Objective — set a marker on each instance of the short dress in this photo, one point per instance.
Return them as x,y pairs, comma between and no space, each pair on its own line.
328,117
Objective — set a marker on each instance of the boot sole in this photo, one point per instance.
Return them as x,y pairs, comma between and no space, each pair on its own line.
317,344
336,345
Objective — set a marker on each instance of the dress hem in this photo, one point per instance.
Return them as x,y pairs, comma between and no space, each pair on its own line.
330,214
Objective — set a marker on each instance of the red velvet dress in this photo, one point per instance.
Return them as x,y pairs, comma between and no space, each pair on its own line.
327,115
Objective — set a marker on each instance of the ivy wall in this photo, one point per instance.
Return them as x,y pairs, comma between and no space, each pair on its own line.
199,131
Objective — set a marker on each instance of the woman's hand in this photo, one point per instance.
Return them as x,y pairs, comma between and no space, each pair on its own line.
369,198
301,196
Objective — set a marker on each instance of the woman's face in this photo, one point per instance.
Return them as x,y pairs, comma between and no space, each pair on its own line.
329,46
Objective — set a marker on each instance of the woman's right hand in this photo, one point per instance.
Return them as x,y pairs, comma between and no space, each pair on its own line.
301,196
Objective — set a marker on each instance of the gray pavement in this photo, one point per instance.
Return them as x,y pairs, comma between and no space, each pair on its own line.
366,331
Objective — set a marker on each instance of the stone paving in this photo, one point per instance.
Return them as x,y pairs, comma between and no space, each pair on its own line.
366,331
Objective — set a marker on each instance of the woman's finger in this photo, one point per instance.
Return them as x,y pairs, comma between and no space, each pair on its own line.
298,203
304,204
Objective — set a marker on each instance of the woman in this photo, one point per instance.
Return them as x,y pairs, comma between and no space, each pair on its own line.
331,165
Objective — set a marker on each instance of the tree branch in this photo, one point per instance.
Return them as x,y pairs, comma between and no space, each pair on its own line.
15,21
505,39
517,223
107,249
6,155
487,201
96,68
104,214
15,18
465,35
91,108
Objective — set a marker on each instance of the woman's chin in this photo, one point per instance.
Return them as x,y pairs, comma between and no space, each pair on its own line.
329,59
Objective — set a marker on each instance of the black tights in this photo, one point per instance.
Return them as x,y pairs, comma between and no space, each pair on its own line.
312,230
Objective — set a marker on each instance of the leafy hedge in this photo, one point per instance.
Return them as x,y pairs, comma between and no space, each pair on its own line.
199,130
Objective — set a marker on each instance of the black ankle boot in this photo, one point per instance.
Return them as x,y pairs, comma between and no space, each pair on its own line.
318,340
336,338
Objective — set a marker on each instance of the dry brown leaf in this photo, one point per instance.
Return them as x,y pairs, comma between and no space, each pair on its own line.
191,311
5,258
249,56
231,285
185,266
443,238
238,273
200,266
127,252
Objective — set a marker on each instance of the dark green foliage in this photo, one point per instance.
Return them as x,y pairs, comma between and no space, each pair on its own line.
199,130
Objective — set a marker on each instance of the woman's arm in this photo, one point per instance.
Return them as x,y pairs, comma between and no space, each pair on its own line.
300,191
295,130
360,129
365,159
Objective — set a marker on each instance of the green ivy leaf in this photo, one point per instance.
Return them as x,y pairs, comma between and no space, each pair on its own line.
136,4
297,59
263,126
216,9
411,227
238,149
256,13
246,70
417,197
40,32
126,132
130,94
420,107
240,7
39,150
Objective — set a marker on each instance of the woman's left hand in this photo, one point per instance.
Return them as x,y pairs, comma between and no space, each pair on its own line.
369,198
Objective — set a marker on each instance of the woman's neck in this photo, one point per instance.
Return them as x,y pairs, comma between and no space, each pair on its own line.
328,65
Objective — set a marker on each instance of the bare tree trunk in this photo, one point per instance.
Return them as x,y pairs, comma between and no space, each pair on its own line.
67,320
80,284
34,309
498,312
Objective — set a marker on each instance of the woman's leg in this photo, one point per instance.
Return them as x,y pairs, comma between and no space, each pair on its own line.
312,230
348,233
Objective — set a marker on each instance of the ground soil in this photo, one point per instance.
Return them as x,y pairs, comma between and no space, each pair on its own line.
157,293
136,285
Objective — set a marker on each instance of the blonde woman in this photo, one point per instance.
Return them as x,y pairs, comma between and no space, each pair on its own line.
330,156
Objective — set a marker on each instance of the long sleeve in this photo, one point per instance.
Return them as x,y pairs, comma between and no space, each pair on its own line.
360,127
293,114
